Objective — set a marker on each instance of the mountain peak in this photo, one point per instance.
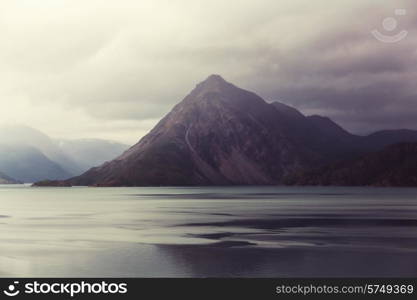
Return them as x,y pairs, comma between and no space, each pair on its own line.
215,77
214,83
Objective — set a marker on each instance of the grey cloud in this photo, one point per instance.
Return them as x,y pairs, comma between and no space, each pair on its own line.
86,65
345,74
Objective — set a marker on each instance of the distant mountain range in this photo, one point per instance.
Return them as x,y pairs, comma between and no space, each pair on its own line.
27,164
223,135
4,179
28,155
395,165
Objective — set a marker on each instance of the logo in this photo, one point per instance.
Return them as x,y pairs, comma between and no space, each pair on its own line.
70,288
11,290
390,24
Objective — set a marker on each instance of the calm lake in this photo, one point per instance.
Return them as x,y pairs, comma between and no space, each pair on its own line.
207,232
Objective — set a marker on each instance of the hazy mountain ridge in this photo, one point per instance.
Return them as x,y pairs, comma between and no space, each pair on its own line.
28,164
4,179
29,155
223,135
43,159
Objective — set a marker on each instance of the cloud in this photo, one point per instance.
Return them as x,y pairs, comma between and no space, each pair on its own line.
346,74
113,68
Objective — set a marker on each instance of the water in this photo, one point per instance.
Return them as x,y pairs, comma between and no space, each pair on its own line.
208,232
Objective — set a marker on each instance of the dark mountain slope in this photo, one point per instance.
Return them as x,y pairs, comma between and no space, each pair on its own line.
4,179
396,165
383,138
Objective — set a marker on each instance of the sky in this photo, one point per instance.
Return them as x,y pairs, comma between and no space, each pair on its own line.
111,69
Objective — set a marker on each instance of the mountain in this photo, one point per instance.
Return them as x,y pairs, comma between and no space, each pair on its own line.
4,179
320,134
223,135
88,153
330,128
24,137
383,138
28,164
30,155
395,165
220,134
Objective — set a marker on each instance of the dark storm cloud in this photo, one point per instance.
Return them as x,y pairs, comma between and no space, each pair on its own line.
346,74
101,68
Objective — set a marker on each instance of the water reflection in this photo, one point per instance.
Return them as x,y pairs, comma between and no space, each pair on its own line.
208,232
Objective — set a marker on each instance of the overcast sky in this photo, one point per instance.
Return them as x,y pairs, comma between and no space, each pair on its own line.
111,69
